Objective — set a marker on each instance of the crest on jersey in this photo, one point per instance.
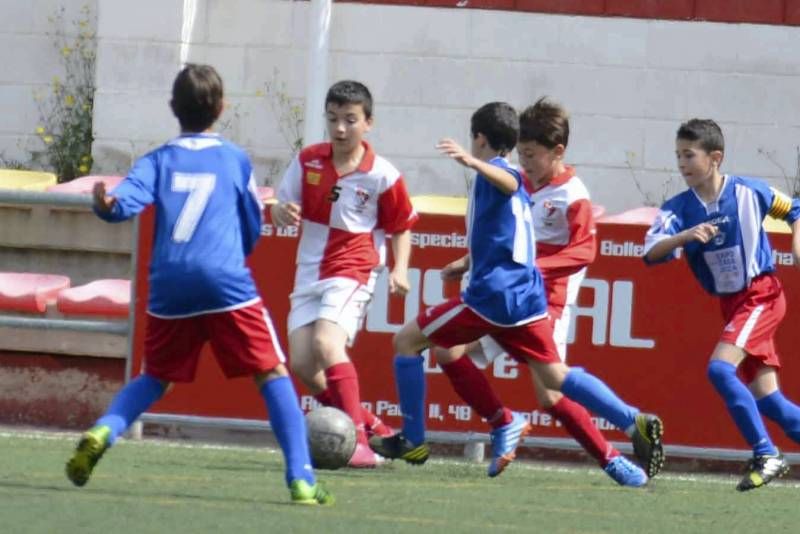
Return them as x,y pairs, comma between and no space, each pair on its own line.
313,178
362,197
549,209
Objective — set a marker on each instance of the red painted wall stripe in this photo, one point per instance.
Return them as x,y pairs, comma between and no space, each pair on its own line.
782,12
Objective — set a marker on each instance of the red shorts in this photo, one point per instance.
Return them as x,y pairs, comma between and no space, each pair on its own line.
752,316
243,341
453,323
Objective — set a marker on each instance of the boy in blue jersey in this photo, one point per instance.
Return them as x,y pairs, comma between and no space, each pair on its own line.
505,298
718,222
208,219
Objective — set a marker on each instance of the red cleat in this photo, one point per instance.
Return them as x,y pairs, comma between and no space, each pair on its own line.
379,428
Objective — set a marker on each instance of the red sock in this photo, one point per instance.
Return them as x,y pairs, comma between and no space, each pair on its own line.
472,386
343,389
325,398
370,419
579,424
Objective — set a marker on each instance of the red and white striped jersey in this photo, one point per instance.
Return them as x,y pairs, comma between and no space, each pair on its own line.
345,219
565,236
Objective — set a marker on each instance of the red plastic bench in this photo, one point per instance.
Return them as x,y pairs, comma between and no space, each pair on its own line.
85,184
30,292
111,297
644,215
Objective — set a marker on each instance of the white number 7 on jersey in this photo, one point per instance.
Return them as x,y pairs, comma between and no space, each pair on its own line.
199,186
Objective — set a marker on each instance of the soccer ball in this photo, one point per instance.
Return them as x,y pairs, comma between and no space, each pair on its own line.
331,437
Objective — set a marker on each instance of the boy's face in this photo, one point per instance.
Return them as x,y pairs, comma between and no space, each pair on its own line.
347,125
538,161
695,163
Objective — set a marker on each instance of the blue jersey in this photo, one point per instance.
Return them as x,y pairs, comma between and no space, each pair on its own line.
207,220
741,250
505,287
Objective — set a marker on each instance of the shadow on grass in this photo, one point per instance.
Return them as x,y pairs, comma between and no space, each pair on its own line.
115,493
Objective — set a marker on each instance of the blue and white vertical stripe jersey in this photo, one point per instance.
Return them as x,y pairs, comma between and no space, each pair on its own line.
207,220
741,250
505,287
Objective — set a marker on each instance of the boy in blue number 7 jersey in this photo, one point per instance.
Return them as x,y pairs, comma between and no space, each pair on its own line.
208,219
718,222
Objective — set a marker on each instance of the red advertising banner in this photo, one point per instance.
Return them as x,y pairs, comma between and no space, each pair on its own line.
648,332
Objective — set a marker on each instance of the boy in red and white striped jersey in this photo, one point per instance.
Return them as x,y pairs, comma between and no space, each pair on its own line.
346,199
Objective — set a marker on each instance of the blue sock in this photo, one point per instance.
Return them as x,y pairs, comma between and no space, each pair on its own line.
782,411
410,377
289,426
129,403
593,394
741,405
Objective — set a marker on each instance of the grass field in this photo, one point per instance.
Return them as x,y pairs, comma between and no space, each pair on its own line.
155,487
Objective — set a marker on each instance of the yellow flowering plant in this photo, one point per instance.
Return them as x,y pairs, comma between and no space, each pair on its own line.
65,108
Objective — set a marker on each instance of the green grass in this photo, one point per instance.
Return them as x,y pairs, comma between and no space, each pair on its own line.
161,487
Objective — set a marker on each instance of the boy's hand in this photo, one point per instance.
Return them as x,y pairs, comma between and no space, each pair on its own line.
454,270
703,232
103,203
450,148
398,282
285,214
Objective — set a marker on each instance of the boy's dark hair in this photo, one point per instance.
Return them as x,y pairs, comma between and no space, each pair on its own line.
706,131
350,92
499,123
546,122
197,97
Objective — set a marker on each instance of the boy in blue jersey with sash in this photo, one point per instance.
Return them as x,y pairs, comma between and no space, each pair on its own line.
505,298
718,222
208,219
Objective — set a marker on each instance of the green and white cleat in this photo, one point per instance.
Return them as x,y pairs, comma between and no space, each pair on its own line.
647,444
304,493
90,449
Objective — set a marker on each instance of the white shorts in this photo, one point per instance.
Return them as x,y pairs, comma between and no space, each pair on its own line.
489,350
340,300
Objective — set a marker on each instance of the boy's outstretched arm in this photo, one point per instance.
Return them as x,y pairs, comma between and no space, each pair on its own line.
703,232
401,249
130,197
503,180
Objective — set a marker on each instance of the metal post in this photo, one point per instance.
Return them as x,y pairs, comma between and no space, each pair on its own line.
319,21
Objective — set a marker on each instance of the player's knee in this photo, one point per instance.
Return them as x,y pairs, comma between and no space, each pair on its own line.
277,372
548,398
720,371
444,356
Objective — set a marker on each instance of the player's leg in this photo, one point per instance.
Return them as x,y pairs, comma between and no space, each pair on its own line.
773,404
747,343
470,382
533,343
288,425
245,344
767,463
171,351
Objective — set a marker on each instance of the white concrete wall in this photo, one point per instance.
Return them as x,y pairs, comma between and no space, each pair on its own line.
28,62
629,83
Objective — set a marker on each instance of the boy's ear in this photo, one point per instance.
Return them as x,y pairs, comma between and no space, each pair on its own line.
559,150
717,156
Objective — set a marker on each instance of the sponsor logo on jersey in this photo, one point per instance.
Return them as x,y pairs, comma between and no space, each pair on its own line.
314,164
313,178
